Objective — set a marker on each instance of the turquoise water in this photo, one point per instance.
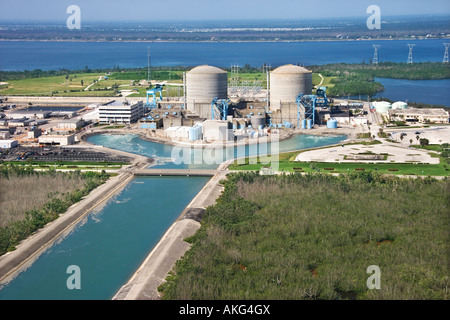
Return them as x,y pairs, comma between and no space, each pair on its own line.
111,242
166,158
109,245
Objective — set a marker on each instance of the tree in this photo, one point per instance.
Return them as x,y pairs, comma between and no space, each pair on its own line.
424,142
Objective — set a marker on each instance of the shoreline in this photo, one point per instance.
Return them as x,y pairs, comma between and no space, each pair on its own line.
223,41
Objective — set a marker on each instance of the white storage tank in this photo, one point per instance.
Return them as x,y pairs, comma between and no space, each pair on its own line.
399,105
287,82
382,106
203,84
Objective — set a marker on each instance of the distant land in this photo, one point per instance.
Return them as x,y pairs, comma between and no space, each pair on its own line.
400,27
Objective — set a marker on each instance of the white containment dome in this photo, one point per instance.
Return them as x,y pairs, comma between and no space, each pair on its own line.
399,105
203,84
382,106
287,82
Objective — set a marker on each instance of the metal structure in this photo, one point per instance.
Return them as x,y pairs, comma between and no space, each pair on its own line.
219,109
410,55
375,53
153,92
445,60
306,108
321,99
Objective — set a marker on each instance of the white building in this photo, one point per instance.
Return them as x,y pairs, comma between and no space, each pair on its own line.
62,140
178,133
121,111
70,124
217,130
29,114
8,144
421,115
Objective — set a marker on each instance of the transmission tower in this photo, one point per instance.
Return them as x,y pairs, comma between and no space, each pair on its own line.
446,53
234,79
375,53
410,55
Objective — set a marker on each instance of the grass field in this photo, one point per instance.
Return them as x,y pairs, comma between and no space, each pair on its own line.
60,86
311,237
48,85
384,168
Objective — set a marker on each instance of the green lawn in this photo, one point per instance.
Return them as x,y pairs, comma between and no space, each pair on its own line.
286,164
46,85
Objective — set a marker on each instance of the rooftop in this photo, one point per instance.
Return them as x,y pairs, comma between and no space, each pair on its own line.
290,68
206,69
421,111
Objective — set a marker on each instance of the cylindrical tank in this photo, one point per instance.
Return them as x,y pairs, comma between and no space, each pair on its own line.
309,123
258,121
304,124
203,84
399,105
331,124
193,134
382,106
287,82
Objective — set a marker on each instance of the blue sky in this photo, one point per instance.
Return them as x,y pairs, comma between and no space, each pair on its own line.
165,10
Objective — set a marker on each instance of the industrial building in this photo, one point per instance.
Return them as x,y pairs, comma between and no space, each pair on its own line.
203,84
70,124
422,115
8,144
28,114
286,83
62,140
121,111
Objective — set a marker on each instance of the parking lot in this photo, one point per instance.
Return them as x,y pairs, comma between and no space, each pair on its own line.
51,154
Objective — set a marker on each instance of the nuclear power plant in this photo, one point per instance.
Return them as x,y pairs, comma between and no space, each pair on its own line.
287,102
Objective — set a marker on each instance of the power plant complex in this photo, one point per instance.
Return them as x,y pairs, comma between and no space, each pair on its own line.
207,104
